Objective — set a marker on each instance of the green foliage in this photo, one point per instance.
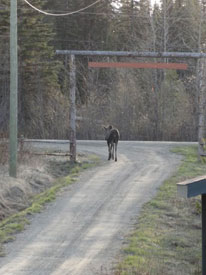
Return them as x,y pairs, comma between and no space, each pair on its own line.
40,97
198,207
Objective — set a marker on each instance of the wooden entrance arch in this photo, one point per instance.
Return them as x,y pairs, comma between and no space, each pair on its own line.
178,66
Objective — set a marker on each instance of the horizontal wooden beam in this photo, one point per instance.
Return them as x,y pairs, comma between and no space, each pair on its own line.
192,187
134,54
176,66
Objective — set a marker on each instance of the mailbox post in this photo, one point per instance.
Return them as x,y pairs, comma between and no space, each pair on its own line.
191,188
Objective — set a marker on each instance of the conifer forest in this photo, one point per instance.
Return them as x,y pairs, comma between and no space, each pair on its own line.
145,104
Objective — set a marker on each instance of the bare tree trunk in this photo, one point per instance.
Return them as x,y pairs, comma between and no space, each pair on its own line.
165,26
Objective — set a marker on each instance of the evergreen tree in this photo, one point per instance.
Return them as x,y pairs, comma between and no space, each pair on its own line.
4,66
141,100
38,83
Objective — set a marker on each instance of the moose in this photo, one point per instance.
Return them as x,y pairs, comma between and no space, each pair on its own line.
112,137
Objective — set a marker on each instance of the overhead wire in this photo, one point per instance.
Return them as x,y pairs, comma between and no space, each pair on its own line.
61,14
120,14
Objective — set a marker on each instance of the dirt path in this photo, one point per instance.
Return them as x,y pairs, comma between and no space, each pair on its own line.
84,229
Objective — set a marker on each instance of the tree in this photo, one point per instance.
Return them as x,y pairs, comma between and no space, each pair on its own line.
39,93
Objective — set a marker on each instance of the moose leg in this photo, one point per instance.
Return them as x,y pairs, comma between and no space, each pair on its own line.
112,150
109,150
115,151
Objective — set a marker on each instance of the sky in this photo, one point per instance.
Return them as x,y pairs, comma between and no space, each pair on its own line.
153,2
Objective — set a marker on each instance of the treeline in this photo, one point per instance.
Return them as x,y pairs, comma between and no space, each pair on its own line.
145,104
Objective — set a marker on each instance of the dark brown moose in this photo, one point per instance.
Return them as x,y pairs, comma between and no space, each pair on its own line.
112,137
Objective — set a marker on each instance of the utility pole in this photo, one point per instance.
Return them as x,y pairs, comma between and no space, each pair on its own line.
13,89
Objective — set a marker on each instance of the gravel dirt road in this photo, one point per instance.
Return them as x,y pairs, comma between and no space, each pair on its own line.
82,232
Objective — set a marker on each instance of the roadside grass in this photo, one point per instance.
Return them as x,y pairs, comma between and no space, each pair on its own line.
167,238
17,222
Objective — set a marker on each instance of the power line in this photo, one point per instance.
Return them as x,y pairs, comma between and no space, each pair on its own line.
124,14
113,15
61,14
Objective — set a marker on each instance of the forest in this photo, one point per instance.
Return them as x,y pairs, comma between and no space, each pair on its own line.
145,104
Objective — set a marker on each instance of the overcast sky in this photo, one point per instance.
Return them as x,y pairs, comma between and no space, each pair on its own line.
155,1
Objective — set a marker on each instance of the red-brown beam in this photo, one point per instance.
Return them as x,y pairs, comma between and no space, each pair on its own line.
176,66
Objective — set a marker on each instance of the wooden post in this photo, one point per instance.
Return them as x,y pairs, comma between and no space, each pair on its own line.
204,234
202,109
13,89
133,54
72,108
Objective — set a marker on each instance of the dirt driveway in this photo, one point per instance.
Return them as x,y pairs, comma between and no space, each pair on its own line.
83,231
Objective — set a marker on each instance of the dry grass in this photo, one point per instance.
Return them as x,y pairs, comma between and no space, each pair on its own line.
3,153
35,187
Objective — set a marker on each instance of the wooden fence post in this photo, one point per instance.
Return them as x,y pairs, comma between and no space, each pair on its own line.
72,108
203,197
202,108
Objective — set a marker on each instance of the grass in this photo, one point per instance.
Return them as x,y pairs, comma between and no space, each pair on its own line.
167,238
17,222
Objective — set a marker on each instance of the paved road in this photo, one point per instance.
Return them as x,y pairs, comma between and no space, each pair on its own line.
84,229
